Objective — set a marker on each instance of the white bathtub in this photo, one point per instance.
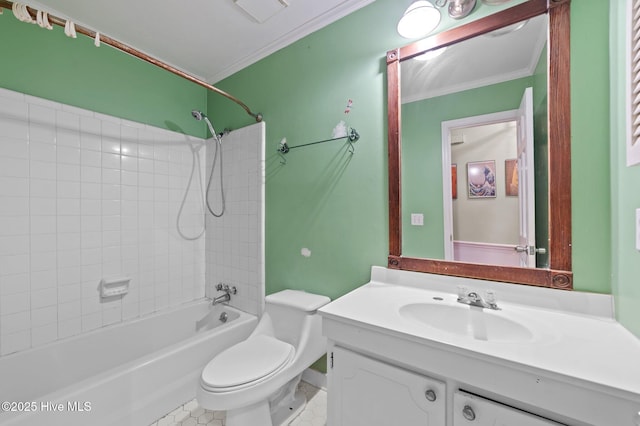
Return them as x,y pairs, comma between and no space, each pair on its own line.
127,374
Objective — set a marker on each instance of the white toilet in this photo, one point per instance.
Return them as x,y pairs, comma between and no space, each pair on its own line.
255,380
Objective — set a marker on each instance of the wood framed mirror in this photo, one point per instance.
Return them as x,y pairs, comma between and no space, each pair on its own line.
556,179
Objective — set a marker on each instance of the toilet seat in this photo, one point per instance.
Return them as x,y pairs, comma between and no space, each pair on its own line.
246,363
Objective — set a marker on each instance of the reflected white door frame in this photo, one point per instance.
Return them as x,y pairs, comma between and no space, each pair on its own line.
526,182
447,127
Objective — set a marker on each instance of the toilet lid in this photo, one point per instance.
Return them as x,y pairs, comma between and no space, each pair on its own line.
246,362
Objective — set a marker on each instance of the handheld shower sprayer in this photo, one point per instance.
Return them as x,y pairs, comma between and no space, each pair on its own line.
199,115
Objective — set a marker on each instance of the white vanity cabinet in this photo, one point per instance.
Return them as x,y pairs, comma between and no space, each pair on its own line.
367,392
538,365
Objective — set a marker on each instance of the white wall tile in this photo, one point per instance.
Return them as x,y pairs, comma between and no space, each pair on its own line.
14,187
83,196
68,155
14,264
15,148
43,242
69,327
14,129
16,167
233,239
11,284
15,342
14,303
45,334
14,323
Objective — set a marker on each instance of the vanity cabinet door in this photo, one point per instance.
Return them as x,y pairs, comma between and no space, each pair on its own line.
472,410
366,392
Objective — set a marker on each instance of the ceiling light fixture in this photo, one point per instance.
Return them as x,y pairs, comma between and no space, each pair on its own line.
458,9
422,17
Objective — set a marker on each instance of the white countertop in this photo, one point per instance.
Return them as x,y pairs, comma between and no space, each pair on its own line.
588,347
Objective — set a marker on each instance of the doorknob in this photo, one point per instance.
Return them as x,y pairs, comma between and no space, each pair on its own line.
531,250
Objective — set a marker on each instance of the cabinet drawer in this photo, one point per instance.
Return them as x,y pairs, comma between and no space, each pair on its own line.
472,410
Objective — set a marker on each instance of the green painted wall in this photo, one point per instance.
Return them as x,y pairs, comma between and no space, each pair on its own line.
422,139
336,204
590,172
325,199
624,187
50,65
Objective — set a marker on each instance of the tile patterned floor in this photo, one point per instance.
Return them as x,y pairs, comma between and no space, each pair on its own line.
190,414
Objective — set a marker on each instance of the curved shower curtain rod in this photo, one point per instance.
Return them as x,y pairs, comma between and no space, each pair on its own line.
138,54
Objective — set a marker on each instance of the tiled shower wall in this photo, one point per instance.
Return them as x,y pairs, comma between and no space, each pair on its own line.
235,241
84,196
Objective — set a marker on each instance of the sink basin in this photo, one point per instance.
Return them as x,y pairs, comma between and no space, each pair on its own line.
463,320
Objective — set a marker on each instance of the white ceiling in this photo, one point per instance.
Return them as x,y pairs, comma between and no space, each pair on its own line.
477,62
209,39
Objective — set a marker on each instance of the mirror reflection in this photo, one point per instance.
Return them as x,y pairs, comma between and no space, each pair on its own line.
475,148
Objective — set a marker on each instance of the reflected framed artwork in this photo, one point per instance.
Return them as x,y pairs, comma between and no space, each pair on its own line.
454,181
481,179
511,178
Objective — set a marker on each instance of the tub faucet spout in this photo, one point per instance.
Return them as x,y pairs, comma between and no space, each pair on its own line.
226,297
220,299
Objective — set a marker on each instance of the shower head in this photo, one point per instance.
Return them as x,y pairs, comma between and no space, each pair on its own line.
198,115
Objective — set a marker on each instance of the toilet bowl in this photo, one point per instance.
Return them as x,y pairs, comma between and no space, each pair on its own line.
255,381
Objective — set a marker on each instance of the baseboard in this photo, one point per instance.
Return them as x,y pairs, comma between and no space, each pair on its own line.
315,378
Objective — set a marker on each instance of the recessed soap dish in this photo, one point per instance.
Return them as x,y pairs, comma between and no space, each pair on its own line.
110,287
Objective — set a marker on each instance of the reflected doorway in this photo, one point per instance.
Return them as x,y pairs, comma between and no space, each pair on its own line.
489,205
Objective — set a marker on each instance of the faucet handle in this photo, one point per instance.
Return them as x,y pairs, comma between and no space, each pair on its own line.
462,292
219,287
492,300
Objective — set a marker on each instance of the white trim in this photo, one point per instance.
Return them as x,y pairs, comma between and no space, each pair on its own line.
633,143
488,253
447,126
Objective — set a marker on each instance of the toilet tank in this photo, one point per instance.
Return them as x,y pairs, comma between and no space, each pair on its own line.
293,312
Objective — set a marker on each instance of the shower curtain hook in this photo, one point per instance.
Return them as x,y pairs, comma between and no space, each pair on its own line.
26,14
45,21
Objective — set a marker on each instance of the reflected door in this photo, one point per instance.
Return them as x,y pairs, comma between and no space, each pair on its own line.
526,182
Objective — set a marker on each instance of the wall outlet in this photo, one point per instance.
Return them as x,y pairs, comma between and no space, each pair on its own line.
417,219
638,229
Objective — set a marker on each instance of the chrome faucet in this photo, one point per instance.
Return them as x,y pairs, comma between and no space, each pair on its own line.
228,291
474,299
